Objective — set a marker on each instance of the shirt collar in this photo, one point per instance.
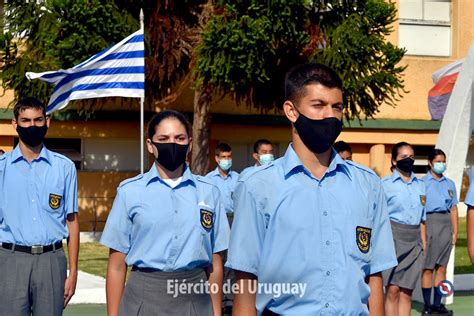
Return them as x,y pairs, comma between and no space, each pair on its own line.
44,155
292,162
396,175
153,175
216,173
429,176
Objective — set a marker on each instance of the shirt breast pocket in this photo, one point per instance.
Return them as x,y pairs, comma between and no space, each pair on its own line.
360,240
53,199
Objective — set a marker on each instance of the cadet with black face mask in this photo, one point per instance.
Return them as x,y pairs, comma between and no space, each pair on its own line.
171,227
38,210
310,221
406,200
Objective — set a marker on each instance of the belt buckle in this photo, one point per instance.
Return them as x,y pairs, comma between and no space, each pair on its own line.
36,250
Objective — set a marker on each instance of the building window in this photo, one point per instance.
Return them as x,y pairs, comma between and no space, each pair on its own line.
421,159
425,27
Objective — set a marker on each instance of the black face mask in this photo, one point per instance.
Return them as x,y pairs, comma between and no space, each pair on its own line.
171,155
318,135
406,164
32,136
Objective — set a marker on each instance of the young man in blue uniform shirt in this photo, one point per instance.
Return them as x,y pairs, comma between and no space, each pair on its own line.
262,154
223,176
310,219
38,194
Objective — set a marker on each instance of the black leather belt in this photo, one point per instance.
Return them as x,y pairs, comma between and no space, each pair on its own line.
442,212
267,312
135,268
34,250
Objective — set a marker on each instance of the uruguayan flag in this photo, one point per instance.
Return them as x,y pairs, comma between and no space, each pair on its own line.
118,71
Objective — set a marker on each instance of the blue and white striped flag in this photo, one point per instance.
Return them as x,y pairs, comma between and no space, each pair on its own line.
118,71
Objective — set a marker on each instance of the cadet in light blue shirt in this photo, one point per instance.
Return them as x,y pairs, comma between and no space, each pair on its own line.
406,200
262,154
469,201
441,228
223,177
169,225
38,209
310,227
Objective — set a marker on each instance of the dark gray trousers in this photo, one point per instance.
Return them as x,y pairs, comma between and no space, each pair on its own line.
32,284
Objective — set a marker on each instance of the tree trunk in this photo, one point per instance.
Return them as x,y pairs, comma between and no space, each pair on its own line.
201,130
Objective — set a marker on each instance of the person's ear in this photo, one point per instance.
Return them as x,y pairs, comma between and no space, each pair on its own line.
151,148
256,157
48,120
216,157
290,111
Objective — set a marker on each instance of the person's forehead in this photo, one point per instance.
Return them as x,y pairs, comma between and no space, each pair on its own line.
265,147
30,113
170,126
405,150
317,91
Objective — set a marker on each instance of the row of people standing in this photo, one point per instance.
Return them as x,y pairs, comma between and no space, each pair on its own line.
310,219
226,179
424,219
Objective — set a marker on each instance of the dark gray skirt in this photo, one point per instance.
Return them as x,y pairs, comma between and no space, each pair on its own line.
439,234
409,250
158,293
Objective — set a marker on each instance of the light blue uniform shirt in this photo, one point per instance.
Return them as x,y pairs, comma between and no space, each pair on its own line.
164,228
440,194
406,201
326,234
36,197
469,200
226,186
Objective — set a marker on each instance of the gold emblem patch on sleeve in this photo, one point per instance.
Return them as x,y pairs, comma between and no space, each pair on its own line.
451,193
363,235
54,201
423,199
206,219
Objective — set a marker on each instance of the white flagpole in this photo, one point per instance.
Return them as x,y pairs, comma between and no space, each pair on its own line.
142,110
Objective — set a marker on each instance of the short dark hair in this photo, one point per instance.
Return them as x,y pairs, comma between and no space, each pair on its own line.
342,146
395,149
436,152
302,75
222,148
28,103
159,117
259,143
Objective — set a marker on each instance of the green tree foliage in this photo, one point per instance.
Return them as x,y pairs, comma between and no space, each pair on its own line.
56,34
248,45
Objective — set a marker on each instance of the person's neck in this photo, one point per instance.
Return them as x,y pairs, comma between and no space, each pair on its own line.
406,176
167,174
30,153
435,175
317,164
223,172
